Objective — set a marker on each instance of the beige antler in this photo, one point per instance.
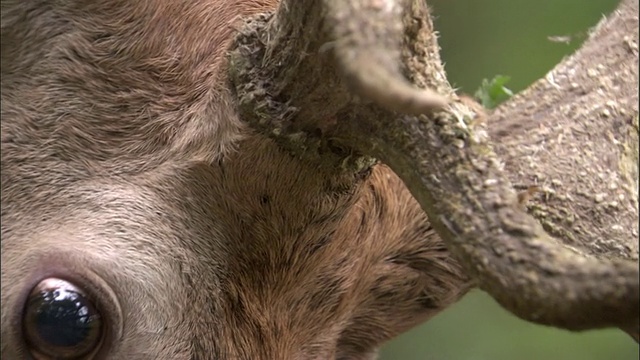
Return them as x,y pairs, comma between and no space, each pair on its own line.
337,77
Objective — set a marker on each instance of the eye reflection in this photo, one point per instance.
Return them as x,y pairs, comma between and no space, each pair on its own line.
60,322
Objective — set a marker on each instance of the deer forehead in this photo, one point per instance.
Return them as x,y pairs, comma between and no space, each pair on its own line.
120,80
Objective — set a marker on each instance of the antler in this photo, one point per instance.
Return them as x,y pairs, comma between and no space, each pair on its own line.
324,76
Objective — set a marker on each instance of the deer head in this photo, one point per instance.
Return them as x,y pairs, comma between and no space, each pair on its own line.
199,180
132,191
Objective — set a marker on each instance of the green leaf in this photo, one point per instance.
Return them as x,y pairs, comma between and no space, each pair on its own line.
493,92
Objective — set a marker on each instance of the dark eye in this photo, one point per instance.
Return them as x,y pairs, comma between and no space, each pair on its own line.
60,322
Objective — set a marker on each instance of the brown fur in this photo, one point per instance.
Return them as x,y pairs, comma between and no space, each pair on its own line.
126,169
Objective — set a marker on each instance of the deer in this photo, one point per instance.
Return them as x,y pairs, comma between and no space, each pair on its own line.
128,176
172,189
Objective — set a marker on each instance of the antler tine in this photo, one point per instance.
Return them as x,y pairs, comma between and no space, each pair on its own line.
367,49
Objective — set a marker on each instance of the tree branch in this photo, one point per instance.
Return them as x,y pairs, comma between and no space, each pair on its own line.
319,74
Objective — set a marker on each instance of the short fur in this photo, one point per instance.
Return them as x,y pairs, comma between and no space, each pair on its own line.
125,168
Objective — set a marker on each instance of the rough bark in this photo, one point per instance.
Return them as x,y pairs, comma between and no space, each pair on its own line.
328,80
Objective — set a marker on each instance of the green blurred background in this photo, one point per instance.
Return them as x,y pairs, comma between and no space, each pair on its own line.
481,39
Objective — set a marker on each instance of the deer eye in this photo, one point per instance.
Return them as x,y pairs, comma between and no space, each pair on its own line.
61,322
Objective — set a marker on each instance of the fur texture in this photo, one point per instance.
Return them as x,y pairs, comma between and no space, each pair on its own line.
126,170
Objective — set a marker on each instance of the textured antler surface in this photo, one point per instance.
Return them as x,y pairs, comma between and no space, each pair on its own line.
354,59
